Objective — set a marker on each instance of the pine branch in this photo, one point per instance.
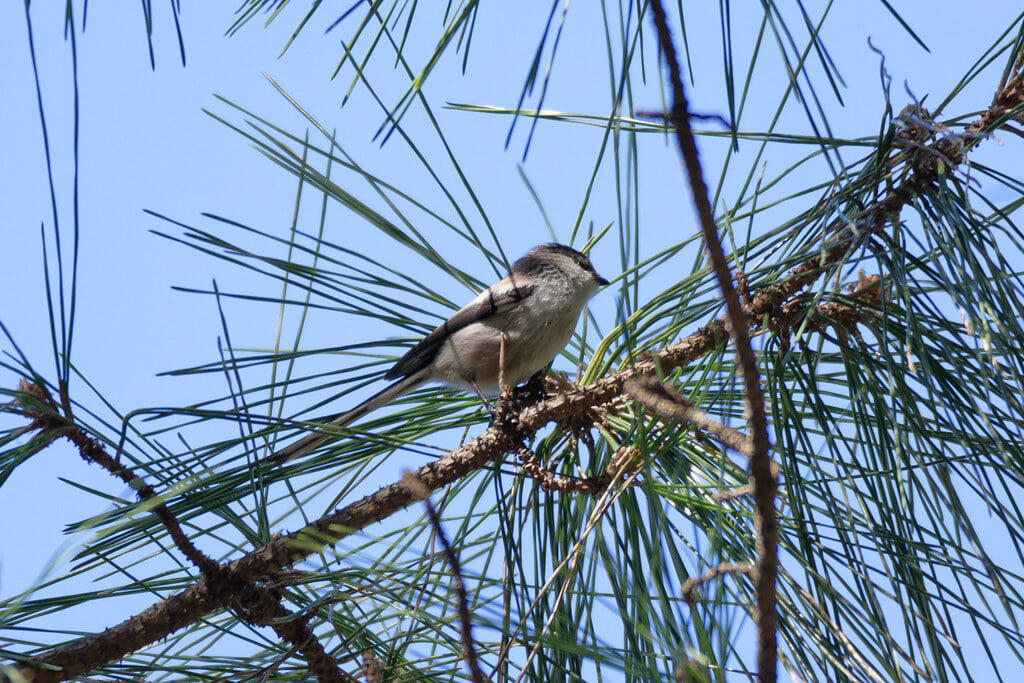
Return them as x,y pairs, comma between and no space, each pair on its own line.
767,304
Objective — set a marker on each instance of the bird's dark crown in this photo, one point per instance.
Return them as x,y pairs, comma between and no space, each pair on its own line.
535,261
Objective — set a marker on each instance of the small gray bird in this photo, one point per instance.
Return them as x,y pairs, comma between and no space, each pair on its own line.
532,312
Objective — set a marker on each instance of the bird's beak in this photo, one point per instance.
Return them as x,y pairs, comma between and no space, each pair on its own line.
601,282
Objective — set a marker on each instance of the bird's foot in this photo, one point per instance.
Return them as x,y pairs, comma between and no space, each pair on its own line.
533,388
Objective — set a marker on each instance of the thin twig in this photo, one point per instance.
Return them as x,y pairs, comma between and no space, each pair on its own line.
725,568
733,493
761,470
257,605
562,573
666,401
549,481
93,451
253,603
461,603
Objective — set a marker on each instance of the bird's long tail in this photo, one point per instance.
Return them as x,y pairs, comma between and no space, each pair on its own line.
308,443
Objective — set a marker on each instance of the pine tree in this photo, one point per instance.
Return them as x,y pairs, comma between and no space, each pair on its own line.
793,440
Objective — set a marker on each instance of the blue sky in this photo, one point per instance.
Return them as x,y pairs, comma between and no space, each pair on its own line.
146,144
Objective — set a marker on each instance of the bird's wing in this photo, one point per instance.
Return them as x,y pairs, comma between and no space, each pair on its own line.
493,300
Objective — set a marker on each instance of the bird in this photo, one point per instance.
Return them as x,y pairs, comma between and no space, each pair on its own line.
511,331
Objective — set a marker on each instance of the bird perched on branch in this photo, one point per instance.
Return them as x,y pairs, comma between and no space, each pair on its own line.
508,333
